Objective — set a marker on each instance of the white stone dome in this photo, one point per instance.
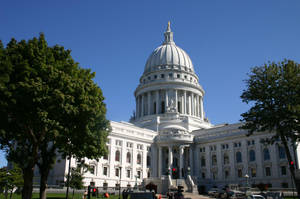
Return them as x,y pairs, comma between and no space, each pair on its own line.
168,54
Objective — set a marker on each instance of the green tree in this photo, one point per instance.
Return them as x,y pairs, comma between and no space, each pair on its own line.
274,93
76,179
48,106
11,179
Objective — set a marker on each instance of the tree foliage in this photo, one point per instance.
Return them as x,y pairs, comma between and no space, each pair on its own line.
48,105
11,179
274,93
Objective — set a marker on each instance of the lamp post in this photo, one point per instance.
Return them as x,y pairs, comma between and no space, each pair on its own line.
120,182
247,178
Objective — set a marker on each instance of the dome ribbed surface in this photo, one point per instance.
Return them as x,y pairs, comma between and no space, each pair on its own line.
168,54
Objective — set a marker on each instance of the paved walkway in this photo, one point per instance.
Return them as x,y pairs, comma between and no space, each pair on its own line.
194,196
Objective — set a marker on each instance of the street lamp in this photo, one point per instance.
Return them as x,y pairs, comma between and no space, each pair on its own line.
120,182
247,178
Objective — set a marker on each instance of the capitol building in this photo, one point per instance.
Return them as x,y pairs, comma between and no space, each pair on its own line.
170,142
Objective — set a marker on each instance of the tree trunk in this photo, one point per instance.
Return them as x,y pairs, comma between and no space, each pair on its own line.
289,158
43,182
28,178
11,193
73,194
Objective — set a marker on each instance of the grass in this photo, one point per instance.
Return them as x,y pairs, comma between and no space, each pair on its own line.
57,196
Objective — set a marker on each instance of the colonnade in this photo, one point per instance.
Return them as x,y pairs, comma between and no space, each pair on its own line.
182,167
159,101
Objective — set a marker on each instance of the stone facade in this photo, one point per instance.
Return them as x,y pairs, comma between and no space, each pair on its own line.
169,134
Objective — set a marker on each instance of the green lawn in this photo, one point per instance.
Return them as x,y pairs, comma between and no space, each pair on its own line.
57,196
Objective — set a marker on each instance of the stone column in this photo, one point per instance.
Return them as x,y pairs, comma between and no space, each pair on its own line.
157,102
159,161
176,100
143,105
192,104
182,104
170,158
181,151
201,107
197,106
185,103
149,103
166,100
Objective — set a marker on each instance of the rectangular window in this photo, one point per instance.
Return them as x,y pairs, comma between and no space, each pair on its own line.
203,175
268,171
283,170
118,142
240,173
129,144
92,169
139,174
253,172
128,174
105,171
117,172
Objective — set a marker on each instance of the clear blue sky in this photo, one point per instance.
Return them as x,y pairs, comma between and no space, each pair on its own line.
114,38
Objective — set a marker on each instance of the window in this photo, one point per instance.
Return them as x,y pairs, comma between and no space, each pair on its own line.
118,142
266,154
92,169
139,174
105,157
226,174
170,75
117,158
238,157
129,144
148,161
128,157
226,159
148,148
154,108
214,175
281,152
155,76
179,106
253,172
105,171
203,161
203,175
214,160
283,170
139,159
162,76
162,107
251,155
178,76
117,171
139,146
128,173
240,173
149,78
284,185
105,185
268,171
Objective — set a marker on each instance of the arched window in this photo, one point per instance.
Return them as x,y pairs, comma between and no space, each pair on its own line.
266,154
251,155
117,158
139,159
148,161
128,157
214,160
203,161
226,158
238,157
281,152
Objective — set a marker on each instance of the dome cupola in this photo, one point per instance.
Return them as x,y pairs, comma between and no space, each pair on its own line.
168,54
